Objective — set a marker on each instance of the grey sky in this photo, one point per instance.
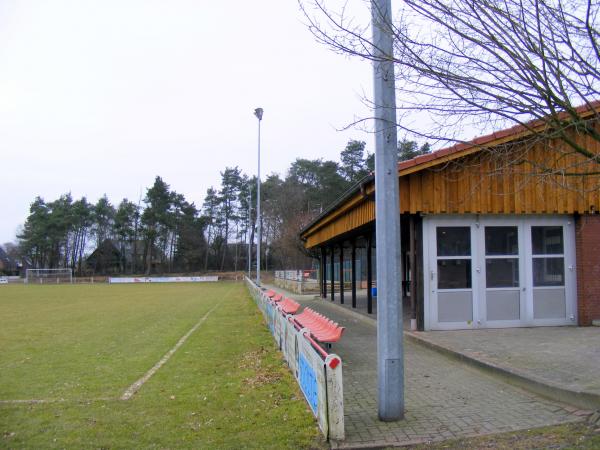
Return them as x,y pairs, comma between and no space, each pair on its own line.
101,96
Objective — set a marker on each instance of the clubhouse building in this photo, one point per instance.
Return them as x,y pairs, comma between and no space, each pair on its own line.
502,231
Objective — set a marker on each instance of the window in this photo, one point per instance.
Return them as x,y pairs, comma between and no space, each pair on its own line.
501,270
453,241
454,273
548,256
454,270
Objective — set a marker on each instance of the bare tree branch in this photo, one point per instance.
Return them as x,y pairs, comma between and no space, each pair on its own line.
476,65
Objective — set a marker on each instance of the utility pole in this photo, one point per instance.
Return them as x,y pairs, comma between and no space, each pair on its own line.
390,355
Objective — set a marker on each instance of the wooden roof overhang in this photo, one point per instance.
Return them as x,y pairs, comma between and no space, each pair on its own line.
465,178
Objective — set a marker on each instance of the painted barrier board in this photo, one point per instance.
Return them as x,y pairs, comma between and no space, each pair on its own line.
117,280
308,383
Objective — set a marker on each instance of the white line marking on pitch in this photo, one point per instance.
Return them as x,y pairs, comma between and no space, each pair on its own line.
31,401
131,390
34,401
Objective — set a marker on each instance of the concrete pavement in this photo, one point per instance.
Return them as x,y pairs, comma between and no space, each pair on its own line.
562,363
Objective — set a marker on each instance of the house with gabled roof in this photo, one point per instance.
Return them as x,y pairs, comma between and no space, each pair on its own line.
5,262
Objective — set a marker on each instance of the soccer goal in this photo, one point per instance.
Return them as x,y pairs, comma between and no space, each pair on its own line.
49,276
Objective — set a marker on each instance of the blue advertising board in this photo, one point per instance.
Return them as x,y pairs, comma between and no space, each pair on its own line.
308,383
271,315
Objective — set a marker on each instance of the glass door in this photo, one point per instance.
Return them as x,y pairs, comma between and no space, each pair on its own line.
502,276
548,272
451,276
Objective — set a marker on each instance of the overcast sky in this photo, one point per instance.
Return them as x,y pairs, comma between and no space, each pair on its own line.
101,96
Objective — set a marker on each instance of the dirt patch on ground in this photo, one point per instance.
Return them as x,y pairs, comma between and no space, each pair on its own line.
254,361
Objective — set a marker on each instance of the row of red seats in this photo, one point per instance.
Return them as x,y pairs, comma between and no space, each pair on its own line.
321,328
285,305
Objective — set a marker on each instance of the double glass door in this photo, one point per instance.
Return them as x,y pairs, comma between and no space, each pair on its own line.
500,272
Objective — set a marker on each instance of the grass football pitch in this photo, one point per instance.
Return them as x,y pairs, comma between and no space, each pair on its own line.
69,354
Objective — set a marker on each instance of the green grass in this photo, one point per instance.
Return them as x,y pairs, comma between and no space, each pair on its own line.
78,348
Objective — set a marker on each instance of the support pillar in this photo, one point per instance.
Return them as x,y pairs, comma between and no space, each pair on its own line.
323,272
353,275
332,272
342,273
369,276
413,273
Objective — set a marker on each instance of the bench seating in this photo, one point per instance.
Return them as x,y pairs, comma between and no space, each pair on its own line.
320,327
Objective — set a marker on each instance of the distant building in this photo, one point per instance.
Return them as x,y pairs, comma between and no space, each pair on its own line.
5,262
105,259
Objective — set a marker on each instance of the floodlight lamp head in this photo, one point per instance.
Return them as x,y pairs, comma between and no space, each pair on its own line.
258,112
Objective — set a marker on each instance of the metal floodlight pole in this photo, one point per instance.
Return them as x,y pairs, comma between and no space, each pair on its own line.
249,234
390,358
258,112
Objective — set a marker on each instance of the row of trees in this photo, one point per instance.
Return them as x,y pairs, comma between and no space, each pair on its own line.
125,238
163,232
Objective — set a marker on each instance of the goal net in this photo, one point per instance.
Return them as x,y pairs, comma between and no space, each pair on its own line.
49,276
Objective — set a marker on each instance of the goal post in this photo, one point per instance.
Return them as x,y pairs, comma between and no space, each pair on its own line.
48,276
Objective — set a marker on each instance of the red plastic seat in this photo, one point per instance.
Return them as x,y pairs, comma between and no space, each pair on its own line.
289,306
320,327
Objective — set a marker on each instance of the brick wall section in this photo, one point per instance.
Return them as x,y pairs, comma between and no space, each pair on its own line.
587,247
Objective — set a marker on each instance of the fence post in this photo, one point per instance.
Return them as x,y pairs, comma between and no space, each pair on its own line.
335,396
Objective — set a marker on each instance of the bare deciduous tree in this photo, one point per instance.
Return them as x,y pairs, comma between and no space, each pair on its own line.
471,66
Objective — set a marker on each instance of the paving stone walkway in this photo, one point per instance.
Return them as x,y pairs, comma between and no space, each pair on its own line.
566,357
444,398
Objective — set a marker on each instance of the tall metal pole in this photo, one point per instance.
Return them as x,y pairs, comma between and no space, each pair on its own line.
249,234
390,357
258,112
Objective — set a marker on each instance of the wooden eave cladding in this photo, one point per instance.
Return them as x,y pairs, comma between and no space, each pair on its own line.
486,183
358,210
480,180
